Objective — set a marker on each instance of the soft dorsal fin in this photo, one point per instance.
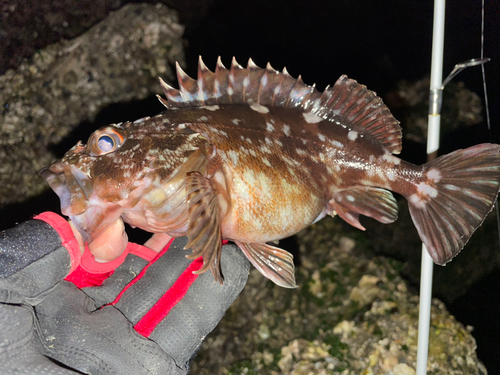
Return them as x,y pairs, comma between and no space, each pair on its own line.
347,103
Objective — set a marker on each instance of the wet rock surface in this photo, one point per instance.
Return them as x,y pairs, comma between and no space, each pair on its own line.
353,313
64,84
27,26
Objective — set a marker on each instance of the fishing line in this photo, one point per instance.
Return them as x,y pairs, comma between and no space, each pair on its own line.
487,108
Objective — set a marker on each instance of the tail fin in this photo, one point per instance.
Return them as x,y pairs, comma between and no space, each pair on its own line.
461,189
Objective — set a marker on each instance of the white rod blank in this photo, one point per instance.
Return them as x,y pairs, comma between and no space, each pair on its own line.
432,146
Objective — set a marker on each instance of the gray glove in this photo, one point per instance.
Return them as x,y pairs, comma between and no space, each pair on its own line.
147,316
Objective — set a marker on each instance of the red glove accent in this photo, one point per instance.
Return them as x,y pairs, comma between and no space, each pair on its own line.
82,278
89,263
143,251
172,297
92,273
68,238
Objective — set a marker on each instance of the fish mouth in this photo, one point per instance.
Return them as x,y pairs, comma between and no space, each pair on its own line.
90,215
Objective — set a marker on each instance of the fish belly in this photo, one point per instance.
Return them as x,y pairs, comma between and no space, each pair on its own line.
266,208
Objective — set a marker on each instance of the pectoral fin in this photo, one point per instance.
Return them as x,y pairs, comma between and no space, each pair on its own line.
369,201
204,231
274,263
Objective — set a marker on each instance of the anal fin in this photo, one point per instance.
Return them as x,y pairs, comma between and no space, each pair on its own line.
274,263
364,200
204,227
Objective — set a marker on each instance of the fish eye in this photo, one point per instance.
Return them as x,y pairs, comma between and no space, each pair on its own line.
106,143
106,140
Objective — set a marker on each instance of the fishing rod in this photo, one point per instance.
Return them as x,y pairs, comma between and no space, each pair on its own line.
434,121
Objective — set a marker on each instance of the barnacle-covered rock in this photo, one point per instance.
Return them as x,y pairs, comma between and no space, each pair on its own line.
353,313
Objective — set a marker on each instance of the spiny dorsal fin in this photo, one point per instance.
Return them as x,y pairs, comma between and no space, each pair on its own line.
347,103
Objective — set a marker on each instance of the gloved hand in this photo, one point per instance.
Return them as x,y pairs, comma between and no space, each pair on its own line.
144,313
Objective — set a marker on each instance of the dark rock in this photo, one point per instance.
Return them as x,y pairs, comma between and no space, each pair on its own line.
64,84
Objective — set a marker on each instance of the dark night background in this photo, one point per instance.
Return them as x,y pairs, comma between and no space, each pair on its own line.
378,43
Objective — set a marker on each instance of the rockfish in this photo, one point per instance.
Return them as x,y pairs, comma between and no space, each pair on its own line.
253,155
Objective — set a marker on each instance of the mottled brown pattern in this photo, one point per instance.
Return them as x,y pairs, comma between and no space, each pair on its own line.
253,155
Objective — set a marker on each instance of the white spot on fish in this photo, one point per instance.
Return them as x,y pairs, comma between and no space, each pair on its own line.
269,127
202,119
230,89
286,130
268,141
311,118
350,198
391,159
434,175
321,137
266,162
417,201
425,189
211,107
336,143
233,155
263,80
288,161
246,82
352,135
202,96
265,149
236,121
390,175
259,108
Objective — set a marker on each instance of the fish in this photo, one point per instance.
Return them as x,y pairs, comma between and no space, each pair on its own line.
253,155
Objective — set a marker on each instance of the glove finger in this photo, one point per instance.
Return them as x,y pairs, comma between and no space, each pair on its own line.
94,341
176,308
19,352
105,290
35,256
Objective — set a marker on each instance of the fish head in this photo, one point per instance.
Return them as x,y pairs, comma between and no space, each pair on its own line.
96,182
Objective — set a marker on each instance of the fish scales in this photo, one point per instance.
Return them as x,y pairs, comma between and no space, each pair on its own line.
263,152
253,155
